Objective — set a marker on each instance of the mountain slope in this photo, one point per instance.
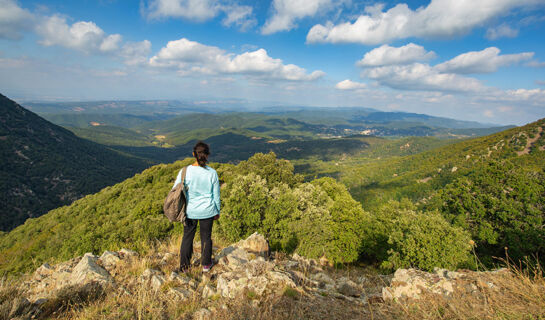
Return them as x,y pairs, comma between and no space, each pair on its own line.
44,166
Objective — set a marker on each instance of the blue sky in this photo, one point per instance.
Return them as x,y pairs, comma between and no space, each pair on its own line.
474,60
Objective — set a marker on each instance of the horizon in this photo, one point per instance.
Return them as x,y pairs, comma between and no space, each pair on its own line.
478,62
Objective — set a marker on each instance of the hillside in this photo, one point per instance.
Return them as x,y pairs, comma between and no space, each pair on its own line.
45,166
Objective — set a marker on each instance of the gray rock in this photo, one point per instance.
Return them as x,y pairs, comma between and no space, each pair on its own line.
87,270
208,291
126,253
109,259
174,276
256,244
180,293
233,257
202,314
348,288
157,281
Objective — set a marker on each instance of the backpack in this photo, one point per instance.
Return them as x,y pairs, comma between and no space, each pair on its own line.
176,202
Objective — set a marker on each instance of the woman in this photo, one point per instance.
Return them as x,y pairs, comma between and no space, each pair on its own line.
203,207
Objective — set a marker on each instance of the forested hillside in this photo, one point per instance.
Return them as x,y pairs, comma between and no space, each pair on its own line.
45,166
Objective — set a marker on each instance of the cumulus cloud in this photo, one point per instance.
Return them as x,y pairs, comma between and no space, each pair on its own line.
14,20
83,36
526,94
418,76
501,31
485,61
350,85
286,12
238,15
136,53
197,10
189,57
386,55
441,18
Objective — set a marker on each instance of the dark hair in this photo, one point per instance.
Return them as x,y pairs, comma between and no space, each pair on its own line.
201,151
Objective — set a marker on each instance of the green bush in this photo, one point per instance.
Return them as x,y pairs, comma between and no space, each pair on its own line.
399,236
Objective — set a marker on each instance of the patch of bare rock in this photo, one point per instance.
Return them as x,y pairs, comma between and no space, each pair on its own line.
243,269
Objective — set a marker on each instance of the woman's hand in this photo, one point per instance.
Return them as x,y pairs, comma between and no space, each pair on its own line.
216,217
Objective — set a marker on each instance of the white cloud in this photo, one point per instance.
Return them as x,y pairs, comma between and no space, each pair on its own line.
526,94
350,85
241,16
83,36
286,12
198,10
238,15
14,20
535,64
418,76
485,61
501,31
386,55
135,53
441,18
189,57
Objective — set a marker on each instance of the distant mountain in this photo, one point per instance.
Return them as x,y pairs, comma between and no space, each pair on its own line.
44,166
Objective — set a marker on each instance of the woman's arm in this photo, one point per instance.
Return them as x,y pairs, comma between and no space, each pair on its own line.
216,192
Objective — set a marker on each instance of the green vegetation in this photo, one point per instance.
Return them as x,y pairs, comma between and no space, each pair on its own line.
45,166
112,136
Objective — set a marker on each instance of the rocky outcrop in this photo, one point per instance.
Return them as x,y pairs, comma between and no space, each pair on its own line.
414,284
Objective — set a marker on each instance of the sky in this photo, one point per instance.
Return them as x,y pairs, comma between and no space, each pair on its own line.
479,60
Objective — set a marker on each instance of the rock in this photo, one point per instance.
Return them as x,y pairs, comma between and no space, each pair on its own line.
109,259
157,281
348,288
43,271
256,244
126,253
180,293
233,257
208,291
87,270
411,283
167,257
21,308
322,278
180,279
202,314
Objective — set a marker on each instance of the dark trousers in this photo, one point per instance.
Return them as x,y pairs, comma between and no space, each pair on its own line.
186,249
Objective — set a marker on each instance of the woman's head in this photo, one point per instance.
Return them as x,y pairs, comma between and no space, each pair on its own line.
201,151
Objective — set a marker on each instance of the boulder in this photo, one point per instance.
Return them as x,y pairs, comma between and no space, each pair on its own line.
180,293
208,291
256,244
232,257
412,283
348,288
87,270
109,259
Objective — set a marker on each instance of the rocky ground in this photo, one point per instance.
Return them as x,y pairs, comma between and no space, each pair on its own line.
245,282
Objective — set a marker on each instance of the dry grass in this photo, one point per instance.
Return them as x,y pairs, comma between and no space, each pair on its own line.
518,294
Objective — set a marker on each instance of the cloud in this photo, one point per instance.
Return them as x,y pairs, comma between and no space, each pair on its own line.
197,10
535,64
237,15
485,61
350,85
189,57
286,12
526,94
386,55
501,31
418,76
441,18
82,36
14,20
202,10
136,53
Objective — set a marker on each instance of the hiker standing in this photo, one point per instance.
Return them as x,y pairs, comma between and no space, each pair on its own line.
203,206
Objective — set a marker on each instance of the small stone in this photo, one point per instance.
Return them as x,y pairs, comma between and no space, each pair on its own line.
157,281
208,291
109,259
87,270
126,253
180,293
174,276
167,257
348,288
202,314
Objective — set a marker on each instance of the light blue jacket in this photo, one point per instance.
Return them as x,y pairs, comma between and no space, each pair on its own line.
203,192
